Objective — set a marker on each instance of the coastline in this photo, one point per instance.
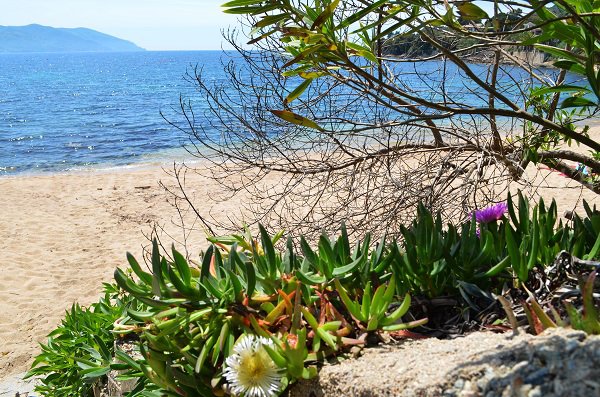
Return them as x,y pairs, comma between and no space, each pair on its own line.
65,233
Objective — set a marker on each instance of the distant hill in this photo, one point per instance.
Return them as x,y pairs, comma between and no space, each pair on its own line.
38,38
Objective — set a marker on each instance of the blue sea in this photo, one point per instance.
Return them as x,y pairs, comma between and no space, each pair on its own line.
69,111
61,112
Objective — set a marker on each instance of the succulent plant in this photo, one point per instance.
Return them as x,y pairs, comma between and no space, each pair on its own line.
310,305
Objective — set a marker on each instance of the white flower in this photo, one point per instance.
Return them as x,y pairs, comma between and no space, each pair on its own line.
250,370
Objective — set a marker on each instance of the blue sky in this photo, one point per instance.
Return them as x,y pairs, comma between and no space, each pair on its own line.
152,24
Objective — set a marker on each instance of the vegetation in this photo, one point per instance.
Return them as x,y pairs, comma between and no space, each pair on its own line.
358,136
201,328
386,145
80,350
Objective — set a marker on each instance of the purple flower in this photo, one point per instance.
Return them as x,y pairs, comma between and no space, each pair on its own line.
492,213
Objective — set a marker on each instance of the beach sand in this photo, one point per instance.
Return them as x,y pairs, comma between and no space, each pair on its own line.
63,235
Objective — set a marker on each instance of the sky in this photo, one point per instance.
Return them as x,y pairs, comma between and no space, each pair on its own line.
152,24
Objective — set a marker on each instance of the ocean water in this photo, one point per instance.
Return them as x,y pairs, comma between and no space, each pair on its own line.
74,110
61,112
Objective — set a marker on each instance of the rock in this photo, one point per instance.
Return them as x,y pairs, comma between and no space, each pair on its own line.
15,385
114,387
560,362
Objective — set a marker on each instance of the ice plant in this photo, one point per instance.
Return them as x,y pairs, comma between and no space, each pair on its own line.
491,213
250,371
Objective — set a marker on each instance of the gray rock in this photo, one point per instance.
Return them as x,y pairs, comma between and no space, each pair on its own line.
15,385
560,362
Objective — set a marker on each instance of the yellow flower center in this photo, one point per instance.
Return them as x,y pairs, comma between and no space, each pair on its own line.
254,367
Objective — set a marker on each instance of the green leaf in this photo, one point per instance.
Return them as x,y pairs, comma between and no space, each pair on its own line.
129,285
577,102
365,307
206,263
349,268
311,278
278,358
298,91
497,269
250,10
471,12
296,119
309,254
206,348
353,307
558,52
571,66
143,316
268,248
250,278
182,267
362,51
535,236
93,373
179,284
270,20
261,37
312,75
157,275
327,256
590,319
412,324
356,16
303,54
133,263
327,12
382,21
559,88
513,251
122,356
378,304
540,313
241,3
537,39
398,313
594,251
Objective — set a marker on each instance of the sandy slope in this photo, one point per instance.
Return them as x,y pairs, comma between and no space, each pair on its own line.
62,236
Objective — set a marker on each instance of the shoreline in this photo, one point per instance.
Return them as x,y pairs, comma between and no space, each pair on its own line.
65,233
162,158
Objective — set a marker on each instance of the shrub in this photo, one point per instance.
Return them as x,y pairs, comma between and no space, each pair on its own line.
304,307
80,351
264,306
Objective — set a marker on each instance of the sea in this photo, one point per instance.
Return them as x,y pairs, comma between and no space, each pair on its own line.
72,111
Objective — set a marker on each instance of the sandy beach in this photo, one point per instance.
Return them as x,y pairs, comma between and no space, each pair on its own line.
62,237
64,234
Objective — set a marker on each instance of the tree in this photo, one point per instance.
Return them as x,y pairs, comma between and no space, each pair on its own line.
356,135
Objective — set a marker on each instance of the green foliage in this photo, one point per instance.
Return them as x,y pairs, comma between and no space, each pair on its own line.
577,25
328,31
584,239
587,319
311,305
315,302
80,350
